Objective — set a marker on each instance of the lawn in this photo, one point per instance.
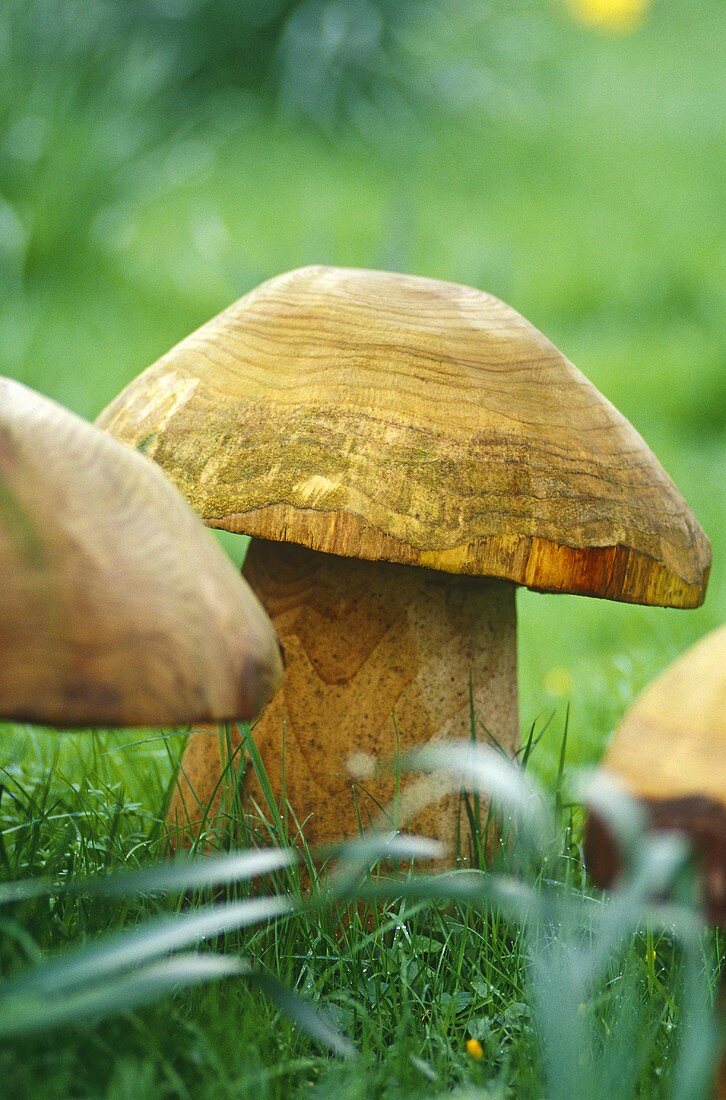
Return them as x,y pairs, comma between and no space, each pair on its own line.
576,173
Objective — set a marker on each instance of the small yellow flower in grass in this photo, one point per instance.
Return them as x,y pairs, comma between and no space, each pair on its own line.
650,956
474,1049
617,15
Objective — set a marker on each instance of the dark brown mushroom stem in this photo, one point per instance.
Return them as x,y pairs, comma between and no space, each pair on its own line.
703,820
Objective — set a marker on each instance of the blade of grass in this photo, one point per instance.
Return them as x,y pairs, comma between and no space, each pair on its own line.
179,874
118,951
304,1015
27,1012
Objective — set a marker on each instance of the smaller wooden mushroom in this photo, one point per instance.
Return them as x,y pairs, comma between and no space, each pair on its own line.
670,753
116,606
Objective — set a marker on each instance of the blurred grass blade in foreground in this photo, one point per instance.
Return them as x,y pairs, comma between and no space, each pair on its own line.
180,874
575,944
118,951
29,1010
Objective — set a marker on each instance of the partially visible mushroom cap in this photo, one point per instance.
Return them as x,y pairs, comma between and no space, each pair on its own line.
116,606
384,416
670,753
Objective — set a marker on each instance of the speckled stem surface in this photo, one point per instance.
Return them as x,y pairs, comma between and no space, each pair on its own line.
380,658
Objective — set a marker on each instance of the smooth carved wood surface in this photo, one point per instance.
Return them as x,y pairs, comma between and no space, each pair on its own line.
116,606
377,657
672,743
385,416
670,752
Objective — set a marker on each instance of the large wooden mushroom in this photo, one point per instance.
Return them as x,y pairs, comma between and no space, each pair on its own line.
405,452
116,606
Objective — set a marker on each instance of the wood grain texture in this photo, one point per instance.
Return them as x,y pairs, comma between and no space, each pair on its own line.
385,416
670,753
116,605
378,657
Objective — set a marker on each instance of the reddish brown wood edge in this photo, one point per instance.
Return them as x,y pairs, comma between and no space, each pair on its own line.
704,822
617,572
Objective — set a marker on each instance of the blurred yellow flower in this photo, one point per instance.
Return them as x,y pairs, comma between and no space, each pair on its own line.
618,15
475,1049
557,682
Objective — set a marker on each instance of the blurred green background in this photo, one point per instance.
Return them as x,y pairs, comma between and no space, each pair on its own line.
158,158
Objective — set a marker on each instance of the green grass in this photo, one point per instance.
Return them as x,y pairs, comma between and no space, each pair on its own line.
580,178
566,994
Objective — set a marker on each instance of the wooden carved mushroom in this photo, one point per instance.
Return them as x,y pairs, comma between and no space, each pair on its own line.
405,453
116,606
669,752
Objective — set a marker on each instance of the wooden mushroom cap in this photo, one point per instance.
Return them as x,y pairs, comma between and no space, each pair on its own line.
116,606
383,416
670,753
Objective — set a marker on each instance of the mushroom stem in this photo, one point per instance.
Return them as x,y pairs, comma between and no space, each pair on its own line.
380,658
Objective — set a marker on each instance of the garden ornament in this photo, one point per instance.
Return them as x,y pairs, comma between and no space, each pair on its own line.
117,608
669,752
405,452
